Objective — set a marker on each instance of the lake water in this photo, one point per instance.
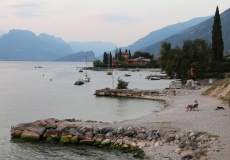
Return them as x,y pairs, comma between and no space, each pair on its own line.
26,96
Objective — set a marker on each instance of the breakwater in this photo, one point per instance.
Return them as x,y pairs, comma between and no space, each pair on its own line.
128,139
134,93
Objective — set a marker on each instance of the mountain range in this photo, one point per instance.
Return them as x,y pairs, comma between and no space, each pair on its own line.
79,57
202,30
164,33
24,45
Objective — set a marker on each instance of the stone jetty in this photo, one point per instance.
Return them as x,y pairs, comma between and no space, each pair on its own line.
134,93
188,145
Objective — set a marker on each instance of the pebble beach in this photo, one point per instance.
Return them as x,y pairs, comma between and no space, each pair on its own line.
205,119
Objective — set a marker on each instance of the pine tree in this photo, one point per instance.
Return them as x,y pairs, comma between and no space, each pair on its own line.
217,40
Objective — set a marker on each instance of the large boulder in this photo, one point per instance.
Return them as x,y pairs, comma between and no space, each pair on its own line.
33,127
16,133
30,136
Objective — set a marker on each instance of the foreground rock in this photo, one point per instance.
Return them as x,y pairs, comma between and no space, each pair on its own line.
188,145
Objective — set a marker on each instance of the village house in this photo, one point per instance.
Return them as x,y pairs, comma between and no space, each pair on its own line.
125,55
137,61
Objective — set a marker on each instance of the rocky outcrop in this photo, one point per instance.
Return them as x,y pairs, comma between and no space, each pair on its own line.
189,145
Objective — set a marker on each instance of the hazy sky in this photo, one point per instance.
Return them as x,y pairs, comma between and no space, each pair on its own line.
120,21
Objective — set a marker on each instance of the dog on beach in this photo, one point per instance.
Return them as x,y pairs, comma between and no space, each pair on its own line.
219,108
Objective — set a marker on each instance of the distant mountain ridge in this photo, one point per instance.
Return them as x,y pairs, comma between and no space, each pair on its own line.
78,57
202,30
159,35
25,45
97,47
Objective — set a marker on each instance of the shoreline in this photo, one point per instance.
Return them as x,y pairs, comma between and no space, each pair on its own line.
206,119
175,116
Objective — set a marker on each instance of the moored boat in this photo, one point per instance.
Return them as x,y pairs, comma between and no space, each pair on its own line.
155,78
79,82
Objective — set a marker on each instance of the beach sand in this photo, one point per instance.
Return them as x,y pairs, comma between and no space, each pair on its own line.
205,119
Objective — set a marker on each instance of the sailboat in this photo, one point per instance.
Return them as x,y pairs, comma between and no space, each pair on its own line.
109,72
86,78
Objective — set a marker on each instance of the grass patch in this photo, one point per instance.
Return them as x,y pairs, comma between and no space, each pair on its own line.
210,135
221,83
213,136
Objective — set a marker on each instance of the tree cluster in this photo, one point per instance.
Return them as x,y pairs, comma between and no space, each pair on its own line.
196,58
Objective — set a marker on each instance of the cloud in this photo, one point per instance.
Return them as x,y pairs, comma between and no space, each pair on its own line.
28,9
27,14
28,5
116,18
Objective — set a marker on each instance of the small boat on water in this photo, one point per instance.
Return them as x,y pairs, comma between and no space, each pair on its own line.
127,75
109,73
86,78
79,82
80,70
38,67
155,78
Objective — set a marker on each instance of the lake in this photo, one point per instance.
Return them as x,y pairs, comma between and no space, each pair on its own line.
29,94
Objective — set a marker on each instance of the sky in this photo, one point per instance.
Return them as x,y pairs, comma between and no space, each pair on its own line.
119,21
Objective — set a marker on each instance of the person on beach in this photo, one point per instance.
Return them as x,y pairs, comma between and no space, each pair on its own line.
195,103
191,107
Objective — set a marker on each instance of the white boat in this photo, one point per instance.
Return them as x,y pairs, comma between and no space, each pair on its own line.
80,70
109,71
79,82
86,78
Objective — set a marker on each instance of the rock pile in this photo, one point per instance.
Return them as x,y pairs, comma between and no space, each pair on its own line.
189,145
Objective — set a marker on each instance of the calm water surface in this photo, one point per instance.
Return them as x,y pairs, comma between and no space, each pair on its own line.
26,95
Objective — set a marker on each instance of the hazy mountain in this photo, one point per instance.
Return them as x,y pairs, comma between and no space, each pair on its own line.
25,45
78,57
2,32
202,30
96,46
163,33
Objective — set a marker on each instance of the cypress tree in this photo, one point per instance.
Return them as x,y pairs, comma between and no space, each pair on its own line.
119,54
129,54
110,59
105,58
217,40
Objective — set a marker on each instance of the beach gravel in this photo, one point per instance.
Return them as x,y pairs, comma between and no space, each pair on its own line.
175,116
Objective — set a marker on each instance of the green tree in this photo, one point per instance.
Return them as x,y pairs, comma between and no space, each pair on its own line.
121,84
142,54
164,55
217,39
130,54
96,63
177,62
110,59
119,55
105,58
